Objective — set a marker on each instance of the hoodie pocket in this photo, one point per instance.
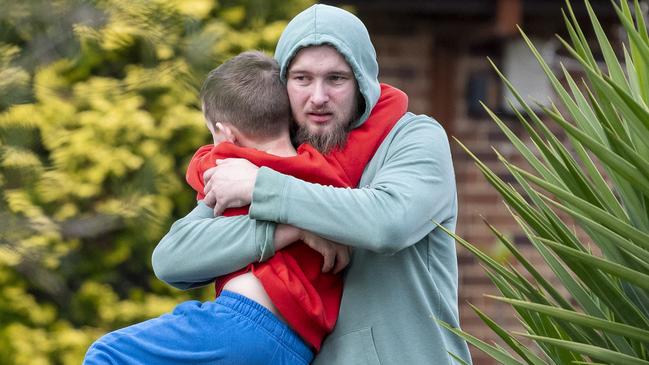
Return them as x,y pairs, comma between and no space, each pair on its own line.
355,347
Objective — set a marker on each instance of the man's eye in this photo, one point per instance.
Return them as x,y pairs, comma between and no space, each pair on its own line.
337,79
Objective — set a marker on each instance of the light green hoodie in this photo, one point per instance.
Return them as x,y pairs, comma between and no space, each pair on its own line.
314,26
403,273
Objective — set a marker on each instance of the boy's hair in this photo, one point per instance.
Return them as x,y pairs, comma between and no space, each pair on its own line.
246,91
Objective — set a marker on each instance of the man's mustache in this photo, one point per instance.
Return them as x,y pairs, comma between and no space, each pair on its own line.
319,111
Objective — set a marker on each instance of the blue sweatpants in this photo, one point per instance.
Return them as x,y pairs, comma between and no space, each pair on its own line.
230,330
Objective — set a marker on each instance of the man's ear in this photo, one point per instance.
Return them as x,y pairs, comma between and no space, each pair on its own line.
226,132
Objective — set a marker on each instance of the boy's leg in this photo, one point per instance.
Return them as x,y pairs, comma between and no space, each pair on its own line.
230,330
189,334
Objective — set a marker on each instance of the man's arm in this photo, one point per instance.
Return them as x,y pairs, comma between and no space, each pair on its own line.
413,187
200,247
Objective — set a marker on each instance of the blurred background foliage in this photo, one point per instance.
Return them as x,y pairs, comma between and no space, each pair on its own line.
99,115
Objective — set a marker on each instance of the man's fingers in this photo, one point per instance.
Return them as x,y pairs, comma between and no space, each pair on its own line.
210,199
342,260
207,187
219,207
207,175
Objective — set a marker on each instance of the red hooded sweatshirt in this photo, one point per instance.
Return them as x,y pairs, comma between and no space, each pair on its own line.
308,299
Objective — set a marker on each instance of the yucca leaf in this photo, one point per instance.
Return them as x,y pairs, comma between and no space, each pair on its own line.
611,250
612,92
554,328
508,288
601,186
563,233
628,153
548,155
638,112
635,38
574,178
632,112
511,341
511,196
612,357
530,291
491,264
577,35
610,122
546,152
486,259
638,296
575,288
559,229
634,81
614,68
458,359
640,64
604,288
522,148
619,167
591,127
546,285
612,160
641,255
536,139
641,26
632,276
530,319
563,95
566,167
614,223
581,319
497,354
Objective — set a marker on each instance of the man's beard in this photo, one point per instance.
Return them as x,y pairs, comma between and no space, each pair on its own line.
323,142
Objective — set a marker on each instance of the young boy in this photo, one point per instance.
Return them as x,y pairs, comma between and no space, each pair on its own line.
280,310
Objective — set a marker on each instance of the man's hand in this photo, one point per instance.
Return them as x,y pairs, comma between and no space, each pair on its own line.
229,184
336,256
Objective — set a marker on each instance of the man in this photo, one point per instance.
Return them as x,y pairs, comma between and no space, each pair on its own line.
403,273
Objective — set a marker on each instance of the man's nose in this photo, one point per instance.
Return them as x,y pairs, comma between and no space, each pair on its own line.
319,95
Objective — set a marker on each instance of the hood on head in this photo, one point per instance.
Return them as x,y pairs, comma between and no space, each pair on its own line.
328,25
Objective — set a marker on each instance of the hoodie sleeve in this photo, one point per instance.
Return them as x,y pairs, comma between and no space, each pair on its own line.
200,247
411,185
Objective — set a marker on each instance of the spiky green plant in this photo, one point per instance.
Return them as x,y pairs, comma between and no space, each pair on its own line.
599,177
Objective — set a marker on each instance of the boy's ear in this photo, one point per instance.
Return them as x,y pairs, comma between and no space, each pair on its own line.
210,127
226,132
